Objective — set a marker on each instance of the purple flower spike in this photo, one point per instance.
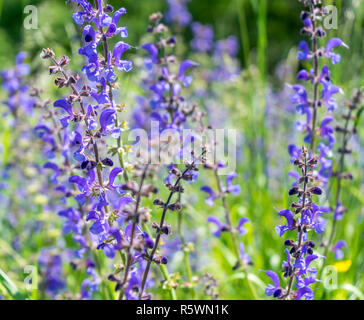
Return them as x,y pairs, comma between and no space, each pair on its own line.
92,215
148,241
90,51
73,220
42,130
300,96
80,181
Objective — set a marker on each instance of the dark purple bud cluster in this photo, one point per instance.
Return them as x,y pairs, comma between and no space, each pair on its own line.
303,216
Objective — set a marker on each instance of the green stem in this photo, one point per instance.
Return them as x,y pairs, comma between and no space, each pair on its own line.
316,80
262,39
244,34
166,277
130,248
233,236
186,258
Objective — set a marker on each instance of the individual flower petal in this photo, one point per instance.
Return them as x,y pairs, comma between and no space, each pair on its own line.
113,174
339,254
119,50
63,104
234,189
117,15
186,64
303,75
89,34
220,226
331,44
240,226
107,120
304,53
152,50
212,196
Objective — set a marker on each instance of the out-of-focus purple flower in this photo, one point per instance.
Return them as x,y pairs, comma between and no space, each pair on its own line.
220,226
245,258
240,226
13,83
50,267
212,196
178,12
230,188
337,249
152,50
203,39
184,66
340,210
229,46
91,284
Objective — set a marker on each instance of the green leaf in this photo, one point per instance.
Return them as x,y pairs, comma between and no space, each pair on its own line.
252,277
10,287
357,120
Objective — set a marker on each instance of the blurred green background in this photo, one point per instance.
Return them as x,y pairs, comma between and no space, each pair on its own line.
267,28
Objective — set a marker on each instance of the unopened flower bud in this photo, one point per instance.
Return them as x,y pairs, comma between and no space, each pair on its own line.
107,162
